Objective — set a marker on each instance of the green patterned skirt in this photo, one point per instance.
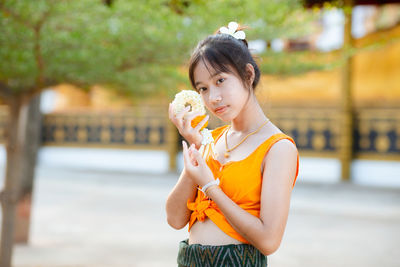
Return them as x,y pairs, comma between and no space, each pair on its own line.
232,255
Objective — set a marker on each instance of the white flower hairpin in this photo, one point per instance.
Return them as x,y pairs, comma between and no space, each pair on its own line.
232,30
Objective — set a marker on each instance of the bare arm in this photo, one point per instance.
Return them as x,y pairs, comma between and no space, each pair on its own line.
177,212
266,232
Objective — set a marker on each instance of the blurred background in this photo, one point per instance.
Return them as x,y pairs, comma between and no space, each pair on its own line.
88,156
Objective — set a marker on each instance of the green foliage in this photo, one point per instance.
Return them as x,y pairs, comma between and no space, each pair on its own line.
299,62
265,19
133,46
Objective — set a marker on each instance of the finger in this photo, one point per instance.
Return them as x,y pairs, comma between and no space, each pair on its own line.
172,116
192,159
189,117
182,113
179,121
192,114
190,152
170,111
196,155
201,124
185,153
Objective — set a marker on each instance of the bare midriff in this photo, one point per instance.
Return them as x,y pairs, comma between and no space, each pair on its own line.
207,233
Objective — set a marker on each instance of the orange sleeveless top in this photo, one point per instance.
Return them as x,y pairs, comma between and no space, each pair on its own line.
240,180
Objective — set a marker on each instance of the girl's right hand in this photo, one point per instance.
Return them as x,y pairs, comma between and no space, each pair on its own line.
184,124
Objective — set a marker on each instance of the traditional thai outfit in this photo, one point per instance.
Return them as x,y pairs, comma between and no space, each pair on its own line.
241,181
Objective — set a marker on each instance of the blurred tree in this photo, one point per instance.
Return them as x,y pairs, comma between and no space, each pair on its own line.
134,47
108,2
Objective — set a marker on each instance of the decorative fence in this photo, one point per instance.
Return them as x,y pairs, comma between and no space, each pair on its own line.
316,131
123,130
377,134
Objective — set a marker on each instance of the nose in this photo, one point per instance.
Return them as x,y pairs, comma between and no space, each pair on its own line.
214,95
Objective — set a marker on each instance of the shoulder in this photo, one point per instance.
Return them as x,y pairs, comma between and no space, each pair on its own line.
283,148
284,144
282,152
282,161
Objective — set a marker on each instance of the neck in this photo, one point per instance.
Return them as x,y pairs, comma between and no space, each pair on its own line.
250,118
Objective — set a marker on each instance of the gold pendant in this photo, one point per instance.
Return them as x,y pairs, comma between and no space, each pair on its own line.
226,155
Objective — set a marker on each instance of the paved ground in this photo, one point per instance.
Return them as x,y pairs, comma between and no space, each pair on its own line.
118,219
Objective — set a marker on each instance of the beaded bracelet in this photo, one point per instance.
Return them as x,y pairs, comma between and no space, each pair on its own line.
204,188
209,188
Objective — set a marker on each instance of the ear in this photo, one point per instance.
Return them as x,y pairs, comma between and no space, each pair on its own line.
250,74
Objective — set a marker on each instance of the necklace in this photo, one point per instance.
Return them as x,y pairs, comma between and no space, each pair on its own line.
227,150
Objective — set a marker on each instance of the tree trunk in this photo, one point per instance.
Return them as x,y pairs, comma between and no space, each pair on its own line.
15,143
28,163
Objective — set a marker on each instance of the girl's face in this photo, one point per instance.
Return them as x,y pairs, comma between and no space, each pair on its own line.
223,93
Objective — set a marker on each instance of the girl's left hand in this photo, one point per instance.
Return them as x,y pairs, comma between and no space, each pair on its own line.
196,166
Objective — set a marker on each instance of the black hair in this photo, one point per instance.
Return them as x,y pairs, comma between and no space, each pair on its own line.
226,54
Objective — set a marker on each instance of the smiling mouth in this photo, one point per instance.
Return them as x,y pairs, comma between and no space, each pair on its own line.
220,109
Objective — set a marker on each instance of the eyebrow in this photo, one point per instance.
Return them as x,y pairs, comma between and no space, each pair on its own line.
212,76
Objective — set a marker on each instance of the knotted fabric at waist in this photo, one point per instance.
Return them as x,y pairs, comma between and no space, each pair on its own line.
199,208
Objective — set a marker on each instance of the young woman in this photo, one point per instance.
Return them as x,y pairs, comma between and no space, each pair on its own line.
239,216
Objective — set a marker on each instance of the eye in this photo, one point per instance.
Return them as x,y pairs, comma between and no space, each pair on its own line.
202,89
220,80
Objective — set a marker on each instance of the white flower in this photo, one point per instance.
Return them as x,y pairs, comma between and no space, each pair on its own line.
188,97
196,102
231,30
207,136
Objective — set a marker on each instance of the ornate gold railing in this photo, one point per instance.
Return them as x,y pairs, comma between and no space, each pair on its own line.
316,131
377,134
122,129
